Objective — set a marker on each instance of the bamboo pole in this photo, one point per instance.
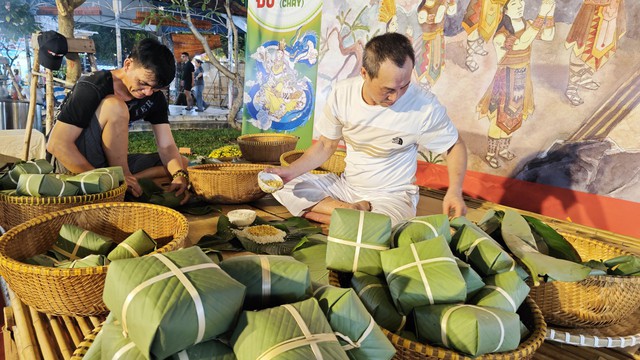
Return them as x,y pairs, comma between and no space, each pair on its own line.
50,101
66,83
10,348
33,88
95,321
83,325
61,339
71,328
23,331
43,336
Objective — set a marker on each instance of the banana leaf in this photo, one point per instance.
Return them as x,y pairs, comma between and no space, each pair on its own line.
470,329
477,248
514,230
6,183
491,221
270,280
42,260
624,265
472,280
39,166
75,243
115,171
376,297
423,273
356,329
313,253
558,246
87,261
93,182
39,185
208,350
292,331
135,245
504,291
164,313
9,192
420,228
356,239
115,345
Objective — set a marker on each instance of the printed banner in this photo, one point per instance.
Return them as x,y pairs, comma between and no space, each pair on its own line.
281,67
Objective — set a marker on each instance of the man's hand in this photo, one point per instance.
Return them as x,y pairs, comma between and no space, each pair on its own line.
132,185
283,171
453,203
180,185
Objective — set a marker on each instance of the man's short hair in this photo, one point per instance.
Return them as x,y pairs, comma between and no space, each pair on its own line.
186,54
156,57
392,46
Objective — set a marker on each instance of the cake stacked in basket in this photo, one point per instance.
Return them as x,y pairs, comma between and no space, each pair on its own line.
434,294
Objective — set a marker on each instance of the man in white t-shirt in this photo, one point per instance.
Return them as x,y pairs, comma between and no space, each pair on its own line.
382,118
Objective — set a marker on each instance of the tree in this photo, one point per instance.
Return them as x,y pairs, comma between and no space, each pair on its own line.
66,25
232,74
17,20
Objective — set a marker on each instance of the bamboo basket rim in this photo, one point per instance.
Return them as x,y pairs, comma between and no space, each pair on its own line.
525,349
340,155
284,138
55,200
11,264
230,168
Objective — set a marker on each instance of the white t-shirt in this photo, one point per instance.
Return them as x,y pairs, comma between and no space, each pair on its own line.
382,142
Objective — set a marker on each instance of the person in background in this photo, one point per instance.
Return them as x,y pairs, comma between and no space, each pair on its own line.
187,79
92,126
382,117
16,85
198,87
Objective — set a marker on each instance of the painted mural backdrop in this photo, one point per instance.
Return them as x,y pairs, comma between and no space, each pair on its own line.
281,67
541,90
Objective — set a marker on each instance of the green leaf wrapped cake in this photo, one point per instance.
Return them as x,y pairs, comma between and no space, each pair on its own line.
39,166
420,228
481,251
92,182
356,239
135,245
75,243
472,279
271,280
376,297
356,329
291,331
168,302
504,291
470,329
39,185
424,273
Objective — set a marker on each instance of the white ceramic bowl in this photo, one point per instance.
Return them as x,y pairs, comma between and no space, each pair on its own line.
242,217
269,182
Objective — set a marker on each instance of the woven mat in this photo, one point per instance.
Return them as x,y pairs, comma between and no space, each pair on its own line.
615,336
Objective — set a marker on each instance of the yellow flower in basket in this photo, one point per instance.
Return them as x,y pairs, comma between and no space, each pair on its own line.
226,152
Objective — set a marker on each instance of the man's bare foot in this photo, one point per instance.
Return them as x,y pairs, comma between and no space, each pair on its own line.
362,205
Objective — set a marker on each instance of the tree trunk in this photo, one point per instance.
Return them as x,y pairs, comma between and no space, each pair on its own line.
66,25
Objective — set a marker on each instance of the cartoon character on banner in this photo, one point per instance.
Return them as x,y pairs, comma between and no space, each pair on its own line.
280,98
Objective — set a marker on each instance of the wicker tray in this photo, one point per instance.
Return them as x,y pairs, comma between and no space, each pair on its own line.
266,147
594,302
15,210
406,349
79,291
335,164
621,335
227,183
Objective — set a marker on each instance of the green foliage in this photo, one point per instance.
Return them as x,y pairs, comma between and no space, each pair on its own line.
16,19
201,142
105,41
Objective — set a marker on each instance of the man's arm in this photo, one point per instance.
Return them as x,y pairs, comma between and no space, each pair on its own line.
313,157
62,145
171,158
456,168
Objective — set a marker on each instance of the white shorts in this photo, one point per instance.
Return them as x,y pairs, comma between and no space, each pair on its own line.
308,189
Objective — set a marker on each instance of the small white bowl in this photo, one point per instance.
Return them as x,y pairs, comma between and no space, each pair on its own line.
242,217
269,182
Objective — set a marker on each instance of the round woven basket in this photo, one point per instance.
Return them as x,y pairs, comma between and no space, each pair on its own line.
593,302
335,164
15,210
227,183
407,349
78,292
266,147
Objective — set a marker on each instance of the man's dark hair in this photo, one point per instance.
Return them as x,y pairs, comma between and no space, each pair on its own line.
186,54
157,58
392,46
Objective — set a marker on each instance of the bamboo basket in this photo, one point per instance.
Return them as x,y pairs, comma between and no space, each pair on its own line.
595,301
407,349
15,210
78,292
266,147
335,164
227,183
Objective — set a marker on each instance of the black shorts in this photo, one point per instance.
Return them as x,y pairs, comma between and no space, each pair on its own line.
187,85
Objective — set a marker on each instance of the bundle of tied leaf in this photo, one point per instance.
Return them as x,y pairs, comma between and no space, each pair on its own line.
227,151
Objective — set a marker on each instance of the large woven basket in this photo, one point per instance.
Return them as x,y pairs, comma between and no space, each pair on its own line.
266,147
227,183
407,349
15,210
335,164
593,302
78,292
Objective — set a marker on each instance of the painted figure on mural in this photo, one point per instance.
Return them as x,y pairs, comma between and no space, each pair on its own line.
480,22
509,99
593,39
387,15
430,57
